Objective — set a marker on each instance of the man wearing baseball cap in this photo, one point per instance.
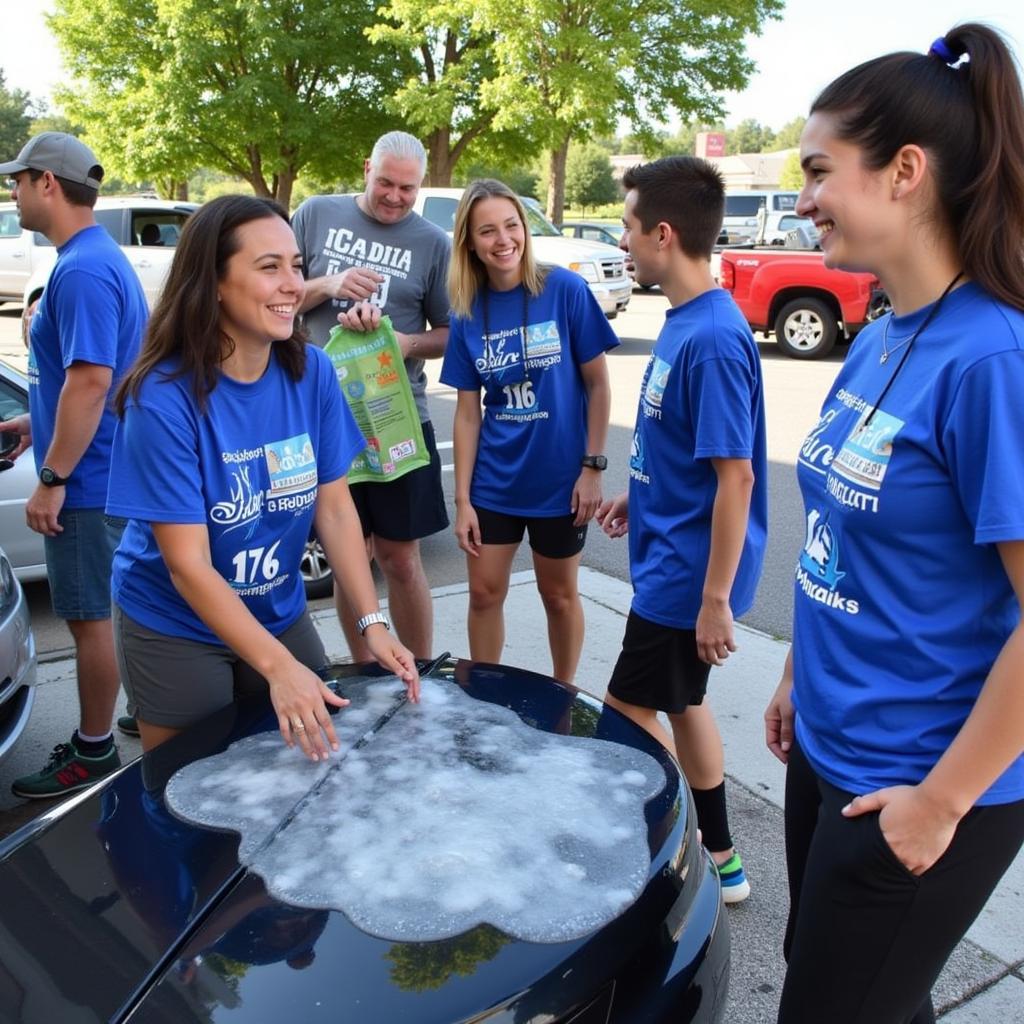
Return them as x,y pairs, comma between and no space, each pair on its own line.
84,335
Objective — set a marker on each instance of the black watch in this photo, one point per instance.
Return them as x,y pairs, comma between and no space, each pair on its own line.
51,478
594,462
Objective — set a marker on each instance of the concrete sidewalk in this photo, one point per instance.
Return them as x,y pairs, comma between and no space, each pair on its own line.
984,980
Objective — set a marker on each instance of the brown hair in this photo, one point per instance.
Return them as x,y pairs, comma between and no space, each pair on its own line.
186,320
75,193
968,115
466,274
685,192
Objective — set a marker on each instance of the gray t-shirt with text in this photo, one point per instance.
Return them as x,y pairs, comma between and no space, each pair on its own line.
412,255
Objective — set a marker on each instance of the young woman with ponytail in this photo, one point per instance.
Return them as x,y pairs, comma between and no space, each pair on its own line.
900,714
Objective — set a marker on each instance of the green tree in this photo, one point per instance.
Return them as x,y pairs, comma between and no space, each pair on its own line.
750,136
15,119
789,133
569,69
424,966
791,176
445,96
259,91
588,176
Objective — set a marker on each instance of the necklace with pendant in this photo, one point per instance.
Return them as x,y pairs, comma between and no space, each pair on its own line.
886,351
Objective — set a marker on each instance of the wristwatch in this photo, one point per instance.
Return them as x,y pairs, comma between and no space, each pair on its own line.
363,624
51,478
594,462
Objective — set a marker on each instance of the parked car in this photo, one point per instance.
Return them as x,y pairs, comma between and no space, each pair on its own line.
25,546
742,206
168,923
602,266
593,231
17,658
146,229
774,227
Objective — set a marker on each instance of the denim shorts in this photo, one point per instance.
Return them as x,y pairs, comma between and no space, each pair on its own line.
78,563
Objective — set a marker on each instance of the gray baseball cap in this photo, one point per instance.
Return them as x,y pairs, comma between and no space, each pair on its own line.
62,155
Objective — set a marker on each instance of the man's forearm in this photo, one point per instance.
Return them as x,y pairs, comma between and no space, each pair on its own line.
79,411
316,293
425,344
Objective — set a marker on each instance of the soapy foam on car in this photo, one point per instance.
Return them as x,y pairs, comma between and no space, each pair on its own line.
454,814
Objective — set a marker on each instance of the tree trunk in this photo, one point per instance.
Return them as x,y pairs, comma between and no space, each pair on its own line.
439,158
181,191
284,184
556,182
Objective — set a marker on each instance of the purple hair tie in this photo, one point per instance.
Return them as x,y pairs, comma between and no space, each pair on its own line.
940,49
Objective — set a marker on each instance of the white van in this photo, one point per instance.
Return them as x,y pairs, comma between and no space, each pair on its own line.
743,206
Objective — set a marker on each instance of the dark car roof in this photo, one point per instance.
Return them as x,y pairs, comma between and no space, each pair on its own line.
118,906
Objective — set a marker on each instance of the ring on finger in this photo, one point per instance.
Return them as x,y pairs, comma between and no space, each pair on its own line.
298,725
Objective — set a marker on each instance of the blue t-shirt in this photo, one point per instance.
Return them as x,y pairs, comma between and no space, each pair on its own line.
93,310
702,398
248,468
902,601
534,429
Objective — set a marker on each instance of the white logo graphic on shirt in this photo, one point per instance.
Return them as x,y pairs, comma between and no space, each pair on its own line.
817,570
344,249
864,457
502,350
657,381
244,505
636,459
543,345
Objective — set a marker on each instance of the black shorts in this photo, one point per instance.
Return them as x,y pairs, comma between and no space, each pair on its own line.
659,667
408,508
550,536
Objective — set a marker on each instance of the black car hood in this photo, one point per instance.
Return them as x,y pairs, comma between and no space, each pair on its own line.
117,910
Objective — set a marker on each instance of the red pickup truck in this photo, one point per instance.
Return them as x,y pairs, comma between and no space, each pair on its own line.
791,293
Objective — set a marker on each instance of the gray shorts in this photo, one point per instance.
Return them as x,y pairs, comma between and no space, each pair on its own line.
78,563
175,682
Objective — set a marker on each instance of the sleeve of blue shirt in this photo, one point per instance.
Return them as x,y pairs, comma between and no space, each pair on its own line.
340,439
155,490
592,334
721,399
458,370
982,437
88,309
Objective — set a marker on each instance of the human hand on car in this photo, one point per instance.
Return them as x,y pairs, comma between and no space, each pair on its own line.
467,528
613,515
586,496
22,426
363,316
300,697
392,655
356,283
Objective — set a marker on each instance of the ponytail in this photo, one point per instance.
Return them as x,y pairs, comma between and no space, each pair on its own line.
968,115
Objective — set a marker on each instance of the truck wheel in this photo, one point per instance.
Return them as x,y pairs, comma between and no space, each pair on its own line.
806,329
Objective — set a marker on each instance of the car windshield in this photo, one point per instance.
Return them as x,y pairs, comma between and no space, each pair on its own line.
538,223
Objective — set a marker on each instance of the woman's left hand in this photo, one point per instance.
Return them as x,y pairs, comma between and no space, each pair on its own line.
916,828
391,654
586,496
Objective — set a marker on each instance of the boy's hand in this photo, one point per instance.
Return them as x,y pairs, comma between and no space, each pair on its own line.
714,632
613,515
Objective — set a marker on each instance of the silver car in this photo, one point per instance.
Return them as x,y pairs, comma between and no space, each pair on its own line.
17,659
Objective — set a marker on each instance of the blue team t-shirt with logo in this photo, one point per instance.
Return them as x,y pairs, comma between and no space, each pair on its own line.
248,468
93,310
534,429
902,600
702,398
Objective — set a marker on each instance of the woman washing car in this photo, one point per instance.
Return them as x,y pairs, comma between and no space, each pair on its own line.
233,439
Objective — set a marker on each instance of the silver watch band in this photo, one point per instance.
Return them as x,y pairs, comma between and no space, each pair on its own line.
369,619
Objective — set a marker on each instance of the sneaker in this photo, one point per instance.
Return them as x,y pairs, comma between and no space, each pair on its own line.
128,725
735,887
66,772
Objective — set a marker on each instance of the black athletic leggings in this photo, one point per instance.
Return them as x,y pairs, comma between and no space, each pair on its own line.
866,939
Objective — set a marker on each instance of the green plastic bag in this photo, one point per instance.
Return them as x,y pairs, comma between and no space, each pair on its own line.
372,377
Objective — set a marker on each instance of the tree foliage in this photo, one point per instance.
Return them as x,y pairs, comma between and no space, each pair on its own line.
570,69
789,134
261,90
15,119
791,176
750,136
588,176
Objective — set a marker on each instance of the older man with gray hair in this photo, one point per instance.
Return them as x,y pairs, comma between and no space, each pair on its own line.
363,256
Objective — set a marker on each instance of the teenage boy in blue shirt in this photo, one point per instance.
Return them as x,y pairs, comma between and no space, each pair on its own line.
696,509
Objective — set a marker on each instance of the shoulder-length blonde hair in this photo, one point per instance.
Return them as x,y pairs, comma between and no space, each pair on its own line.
466,274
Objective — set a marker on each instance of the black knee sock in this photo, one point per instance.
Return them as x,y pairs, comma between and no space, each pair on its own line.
712,817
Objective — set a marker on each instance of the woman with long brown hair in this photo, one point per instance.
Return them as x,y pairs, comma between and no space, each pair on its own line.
900,714
233,438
